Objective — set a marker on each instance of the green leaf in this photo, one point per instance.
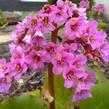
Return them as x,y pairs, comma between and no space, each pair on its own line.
62,95
24,102
100,99
99,74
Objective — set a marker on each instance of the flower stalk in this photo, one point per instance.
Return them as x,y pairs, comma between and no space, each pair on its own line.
50,74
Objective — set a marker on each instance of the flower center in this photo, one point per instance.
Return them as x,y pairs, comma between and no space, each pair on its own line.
51,50
3,68
61,61
70,75
77,64
4,81
47,9
33,22
46,20
18,68
58,14
7,74
92,39
82,92
36,58
88,79
74,27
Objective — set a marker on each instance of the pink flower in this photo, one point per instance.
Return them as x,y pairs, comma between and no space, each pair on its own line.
38,41
69,7
3,68
84,4
15,51
70,47
96,39
80,62
59,14
104,51
74,28
100,8
89,78
60,4
37,38
61,62
91,27
82,92
79,12
5,85
31,22
50,49
17,68
46,24
35,60
19,33
47,9
71,77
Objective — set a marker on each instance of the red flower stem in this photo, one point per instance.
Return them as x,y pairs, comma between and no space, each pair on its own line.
50,74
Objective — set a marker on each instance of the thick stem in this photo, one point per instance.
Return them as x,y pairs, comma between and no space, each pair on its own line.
50,74
51,86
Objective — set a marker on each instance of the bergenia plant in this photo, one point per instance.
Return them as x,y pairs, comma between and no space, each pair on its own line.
79,42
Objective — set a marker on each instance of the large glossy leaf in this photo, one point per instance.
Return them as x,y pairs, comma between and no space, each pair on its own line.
100,99
62,95
23,102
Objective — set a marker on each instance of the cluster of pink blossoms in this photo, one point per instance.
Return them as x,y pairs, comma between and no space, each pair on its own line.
31,50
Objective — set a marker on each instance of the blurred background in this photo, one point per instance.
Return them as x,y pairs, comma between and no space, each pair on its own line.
31,4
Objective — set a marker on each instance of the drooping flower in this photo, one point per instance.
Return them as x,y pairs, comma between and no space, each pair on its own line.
5,85
82,92
38,41
19,33
15,51
89,79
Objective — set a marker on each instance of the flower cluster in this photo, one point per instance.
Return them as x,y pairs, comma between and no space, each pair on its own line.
31,49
